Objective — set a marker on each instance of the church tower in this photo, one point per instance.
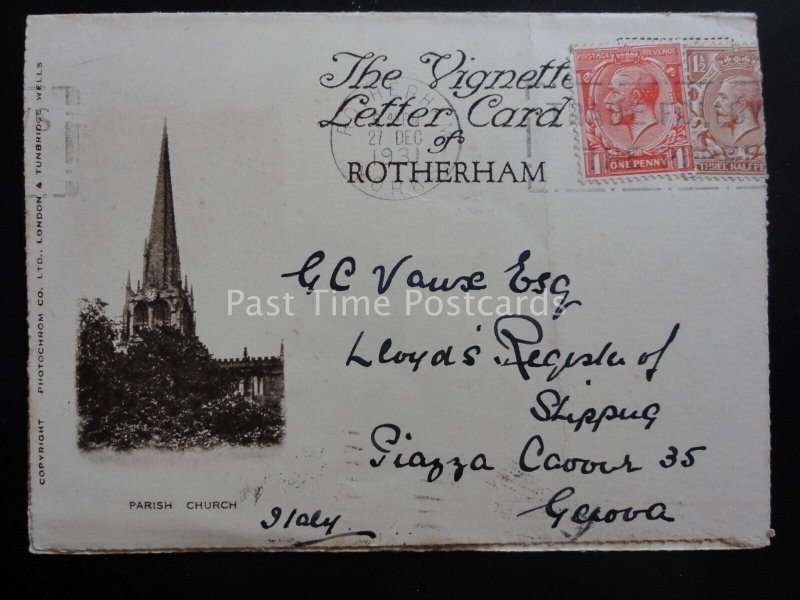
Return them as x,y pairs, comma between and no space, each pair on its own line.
160,298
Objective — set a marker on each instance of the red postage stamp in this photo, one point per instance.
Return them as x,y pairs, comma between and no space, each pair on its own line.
632,107
726,110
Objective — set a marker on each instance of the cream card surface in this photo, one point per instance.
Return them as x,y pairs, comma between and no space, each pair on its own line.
405,281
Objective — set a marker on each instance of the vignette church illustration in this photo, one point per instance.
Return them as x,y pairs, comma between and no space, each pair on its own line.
147,381
161,298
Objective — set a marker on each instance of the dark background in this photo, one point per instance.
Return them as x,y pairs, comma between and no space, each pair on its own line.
770,571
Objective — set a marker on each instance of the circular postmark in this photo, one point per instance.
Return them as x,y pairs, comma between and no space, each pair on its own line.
393,143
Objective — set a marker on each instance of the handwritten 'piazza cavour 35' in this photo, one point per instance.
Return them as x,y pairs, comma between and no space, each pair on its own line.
451,71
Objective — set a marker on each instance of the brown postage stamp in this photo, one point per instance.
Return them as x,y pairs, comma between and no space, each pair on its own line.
726,110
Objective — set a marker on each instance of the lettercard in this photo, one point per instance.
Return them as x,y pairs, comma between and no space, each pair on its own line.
407,281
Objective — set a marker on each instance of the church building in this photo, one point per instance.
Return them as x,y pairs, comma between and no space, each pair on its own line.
161,298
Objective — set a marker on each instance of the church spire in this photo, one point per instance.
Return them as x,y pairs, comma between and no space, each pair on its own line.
162,260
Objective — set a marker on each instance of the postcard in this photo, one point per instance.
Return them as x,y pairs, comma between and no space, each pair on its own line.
353,282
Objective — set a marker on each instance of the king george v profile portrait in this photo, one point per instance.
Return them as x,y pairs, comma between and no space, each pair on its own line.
738,105
631,100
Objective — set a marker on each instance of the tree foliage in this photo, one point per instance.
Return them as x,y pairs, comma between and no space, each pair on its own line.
163,389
